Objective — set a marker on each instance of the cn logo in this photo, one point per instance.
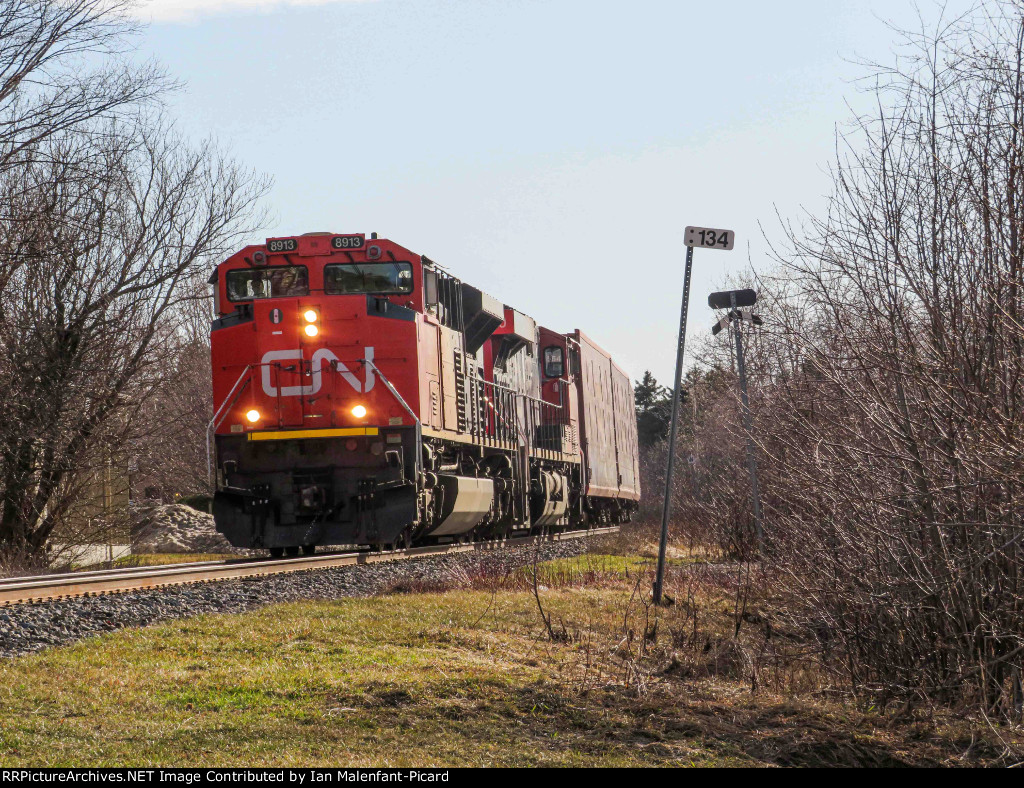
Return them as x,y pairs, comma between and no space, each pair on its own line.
267,368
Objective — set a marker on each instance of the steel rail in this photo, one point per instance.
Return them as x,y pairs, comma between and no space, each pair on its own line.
20,590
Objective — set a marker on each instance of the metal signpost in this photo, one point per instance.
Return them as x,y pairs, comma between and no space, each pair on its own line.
705,238
733,301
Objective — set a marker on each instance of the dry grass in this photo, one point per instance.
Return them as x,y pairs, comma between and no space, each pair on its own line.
442,679
469,677
159,559
154,559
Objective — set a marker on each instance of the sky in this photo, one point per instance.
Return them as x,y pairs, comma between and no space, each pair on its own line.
550,152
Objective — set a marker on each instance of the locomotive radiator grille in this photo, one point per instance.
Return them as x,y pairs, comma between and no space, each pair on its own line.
460,397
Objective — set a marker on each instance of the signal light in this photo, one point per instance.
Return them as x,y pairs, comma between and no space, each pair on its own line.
359,412
253,416
311,330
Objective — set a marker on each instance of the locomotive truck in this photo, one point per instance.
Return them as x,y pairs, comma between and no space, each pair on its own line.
365,396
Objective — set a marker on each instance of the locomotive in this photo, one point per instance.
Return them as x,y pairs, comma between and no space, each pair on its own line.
365,396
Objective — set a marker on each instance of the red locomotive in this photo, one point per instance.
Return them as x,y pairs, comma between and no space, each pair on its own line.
364,396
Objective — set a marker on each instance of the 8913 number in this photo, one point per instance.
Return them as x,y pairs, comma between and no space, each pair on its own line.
282,245
347,242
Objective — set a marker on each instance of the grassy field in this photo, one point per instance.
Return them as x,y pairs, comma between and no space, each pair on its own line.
463,677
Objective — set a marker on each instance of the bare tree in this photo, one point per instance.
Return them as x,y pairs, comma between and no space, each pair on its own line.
888,384
107,224
61,67
118,227
169,447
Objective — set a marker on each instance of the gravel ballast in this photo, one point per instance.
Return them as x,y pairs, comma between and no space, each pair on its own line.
27,628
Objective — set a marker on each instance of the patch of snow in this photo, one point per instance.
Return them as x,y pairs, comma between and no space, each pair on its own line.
87,554
175,528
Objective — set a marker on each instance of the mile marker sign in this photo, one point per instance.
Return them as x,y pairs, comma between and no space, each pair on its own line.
696,238
710,238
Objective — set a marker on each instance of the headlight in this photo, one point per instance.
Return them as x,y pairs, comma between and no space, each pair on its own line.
359,411
311,316
312,331
253,416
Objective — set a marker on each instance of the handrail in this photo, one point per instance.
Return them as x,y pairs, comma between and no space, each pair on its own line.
392,389
477,379
401,401
246,371
211,427
515,425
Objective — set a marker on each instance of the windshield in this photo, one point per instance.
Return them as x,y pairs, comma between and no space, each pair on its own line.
279,282
357,278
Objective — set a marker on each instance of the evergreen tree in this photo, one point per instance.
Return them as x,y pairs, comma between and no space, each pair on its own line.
653,410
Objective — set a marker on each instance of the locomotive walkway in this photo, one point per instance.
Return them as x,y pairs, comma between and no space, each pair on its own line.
64,586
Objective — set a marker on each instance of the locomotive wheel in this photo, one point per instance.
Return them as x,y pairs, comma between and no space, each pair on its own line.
498,532
277,552
292,551
402,542
308,549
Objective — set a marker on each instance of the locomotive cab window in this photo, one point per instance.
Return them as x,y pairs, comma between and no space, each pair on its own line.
554,362
368,278
246,284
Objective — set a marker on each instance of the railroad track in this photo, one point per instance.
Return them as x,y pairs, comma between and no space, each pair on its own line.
20,590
